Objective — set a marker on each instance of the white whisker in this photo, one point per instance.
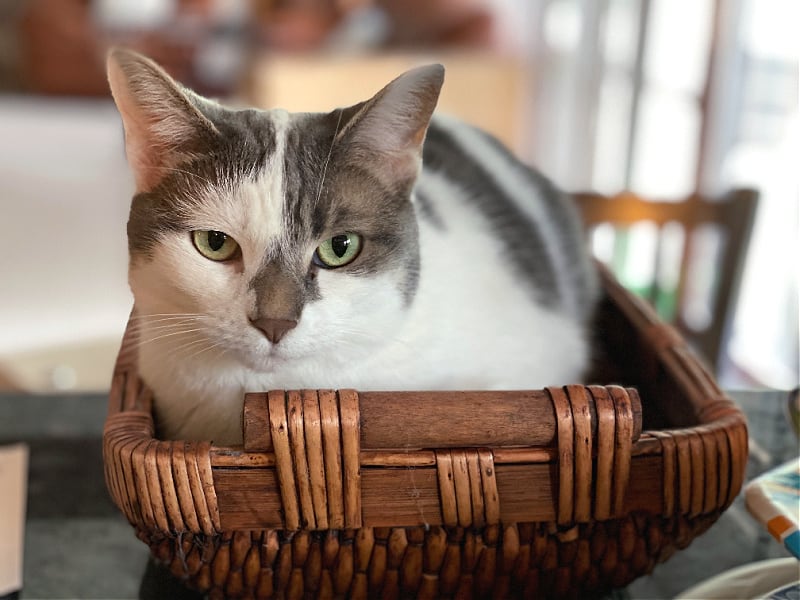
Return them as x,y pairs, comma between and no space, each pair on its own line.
138,318
202,350
141,342
144,327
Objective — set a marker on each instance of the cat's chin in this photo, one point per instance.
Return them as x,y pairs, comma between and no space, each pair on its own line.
271,359
263,361
277,360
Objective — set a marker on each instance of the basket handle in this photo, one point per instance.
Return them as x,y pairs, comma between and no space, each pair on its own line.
441,419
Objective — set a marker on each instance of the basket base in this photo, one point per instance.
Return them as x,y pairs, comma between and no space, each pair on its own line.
525,560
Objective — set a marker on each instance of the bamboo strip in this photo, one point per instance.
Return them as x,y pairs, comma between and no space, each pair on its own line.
578,398
131,506
462,486
604,473
279,429
183,489
123,449
167,483
316,460
524,455
491,498
566,454
478,505
203,461
154,490
669,458
447,490
684,471
332,445
737,439
724,462
140,482
299,459
711,468
196,487
622,446
351,450
697,460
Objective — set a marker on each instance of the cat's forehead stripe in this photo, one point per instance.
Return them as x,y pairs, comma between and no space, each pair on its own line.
262,198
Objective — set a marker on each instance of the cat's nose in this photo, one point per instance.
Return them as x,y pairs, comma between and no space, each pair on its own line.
274,329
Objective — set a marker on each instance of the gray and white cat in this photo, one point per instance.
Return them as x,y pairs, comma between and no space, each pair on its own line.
372,247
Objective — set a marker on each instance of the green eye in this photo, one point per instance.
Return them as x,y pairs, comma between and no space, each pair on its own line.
338,251
215,245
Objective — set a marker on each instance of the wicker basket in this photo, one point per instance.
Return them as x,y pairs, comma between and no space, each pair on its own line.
550,493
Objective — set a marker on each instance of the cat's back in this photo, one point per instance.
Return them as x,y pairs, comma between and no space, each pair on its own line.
473,187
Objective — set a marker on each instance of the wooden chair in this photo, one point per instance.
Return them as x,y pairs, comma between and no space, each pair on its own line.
695,248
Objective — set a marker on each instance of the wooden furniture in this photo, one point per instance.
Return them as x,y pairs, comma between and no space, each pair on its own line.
563,492
727,221
293,81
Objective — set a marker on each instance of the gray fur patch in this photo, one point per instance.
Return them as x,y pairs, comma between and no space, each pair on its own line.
565,218
427,210
523,243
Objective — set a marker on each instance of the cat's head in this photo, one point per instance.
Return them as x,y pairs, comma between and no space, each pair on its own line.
272,236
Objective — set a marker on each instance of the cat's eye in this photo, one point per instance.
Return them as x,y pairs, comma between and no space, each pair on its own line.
215,245
338,251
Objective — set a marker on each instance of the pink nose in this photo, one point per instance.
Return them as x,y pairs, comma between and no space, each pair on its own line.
274,329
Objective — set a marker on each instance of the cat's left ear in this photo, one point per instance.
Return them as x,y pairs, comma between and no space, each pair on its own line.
164,125
391,126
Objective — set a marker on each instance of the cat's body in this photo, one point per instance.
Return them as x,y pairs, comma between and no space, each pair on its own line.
471,273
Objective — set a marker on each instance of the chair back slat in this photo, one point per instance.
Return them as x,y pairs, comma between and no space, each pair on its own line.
724,223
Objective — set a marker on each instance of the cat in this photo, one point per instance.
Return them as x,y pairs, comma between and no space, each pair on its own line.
375,247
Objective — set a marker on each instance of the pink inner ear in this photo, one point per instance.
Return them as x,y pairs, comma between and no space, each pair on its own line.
158,139
141,143
419,136
161,119
147,171
148,156
141,153
392,125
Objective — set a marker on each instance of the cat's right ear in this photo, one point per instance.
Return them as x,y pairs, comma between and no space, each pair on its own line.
390,128
163,122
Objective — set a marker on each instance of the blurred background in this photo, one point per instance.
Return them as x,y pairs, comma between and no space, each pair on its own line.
664,98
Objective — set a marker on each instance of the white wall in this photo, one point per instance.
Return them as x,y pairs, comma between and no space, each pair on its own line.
64,195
